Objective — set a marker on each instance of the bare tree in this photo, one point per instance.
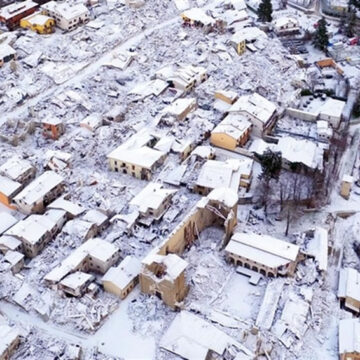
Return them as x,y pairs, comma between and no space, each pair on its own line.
264,193
271,168
291,196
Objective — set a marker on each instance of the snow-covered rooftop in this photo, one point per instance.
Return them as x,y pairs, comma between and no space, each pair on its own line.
40,187
191,337
248,34
151,197
38,19
179,106
15,167
262,249
66,10
234,125
125,273
8,336
349,336
6,221
347,178
255,105
13,257
134,151
144,157
96,217
13,10
203,151
32,229
8,187
285,21
332,107
294,150
197,14
152,87
8,242
76,279
96,248
226,196
297,150
349,284
6,50
70,207
52,121
215,174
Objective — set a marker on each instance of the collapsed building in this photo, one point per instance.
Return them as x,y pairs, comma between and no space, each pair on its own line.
163,270
183,78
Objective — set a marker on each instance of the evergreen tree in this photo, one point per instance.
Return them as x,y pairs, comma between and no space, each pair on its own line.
321,37
270,162
356,108
265,11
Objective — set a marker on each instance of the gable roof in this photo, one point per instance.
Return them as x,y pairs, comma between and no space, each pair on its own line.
255,105
263,249
191,337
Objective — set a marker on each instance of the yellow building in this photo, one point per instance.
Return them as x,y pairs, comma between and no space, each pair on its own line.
163,270
263,253
238,42
232,132
9,341
227,96
136,156
39,23
346,184
122,279
164,276
349,330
